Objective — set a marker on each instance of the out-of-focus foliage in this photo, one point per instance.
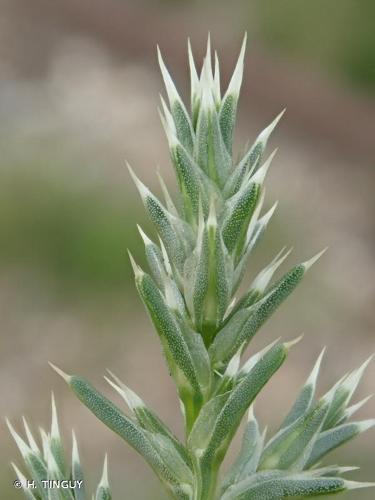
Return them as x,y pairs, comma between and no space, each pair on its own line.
72,235
337,35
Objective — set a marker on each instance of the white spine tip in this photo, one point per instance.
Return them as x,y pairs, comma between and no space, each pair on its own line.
55,433
19,475
365,425
136,268
130,397
236,80
62,374
261,282
75,452
312,261
290,344
250,414
264,220
22,446
233,365
104,480
351,410
143,190
260,175
145,238
168,82
211,219
277,119
354,485
30,437
315,371
194,79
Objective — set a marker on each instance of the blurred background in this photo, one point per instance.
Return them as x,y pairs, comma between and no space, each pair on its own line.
79,87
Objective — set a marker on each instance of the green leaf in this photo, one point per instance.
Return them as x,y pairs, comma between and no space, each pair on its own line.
228,108
162,274
255,231
276,485
332,438
305,398
259,284
208,278
221,350
342,394
167,326
210,150
155,260
248,459
77,473
195,87
226,337
291,447
239,210
33,461
173,460
119,423
200,358
180,115
146,417
250,161
167,225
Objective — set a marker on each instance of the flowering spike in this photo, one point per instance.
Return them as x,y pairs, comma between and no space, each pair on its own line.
189,293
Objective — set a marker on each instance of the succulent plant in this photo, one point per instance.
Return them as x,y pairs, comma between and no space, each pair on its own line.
50,476
205,238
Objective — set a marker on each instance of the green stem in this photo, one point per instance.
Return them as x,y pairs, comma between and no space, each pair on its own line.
206,473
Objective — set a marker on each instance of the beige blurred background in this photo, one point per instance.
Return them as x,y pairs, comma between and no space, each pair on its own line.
79,89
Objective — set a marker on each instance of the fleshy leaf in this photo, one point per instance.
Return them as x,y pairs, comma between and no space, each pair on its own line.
178,110
277,485
305,397
175,348
221,350
332,438
146,417
248,459
229,102
291,447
